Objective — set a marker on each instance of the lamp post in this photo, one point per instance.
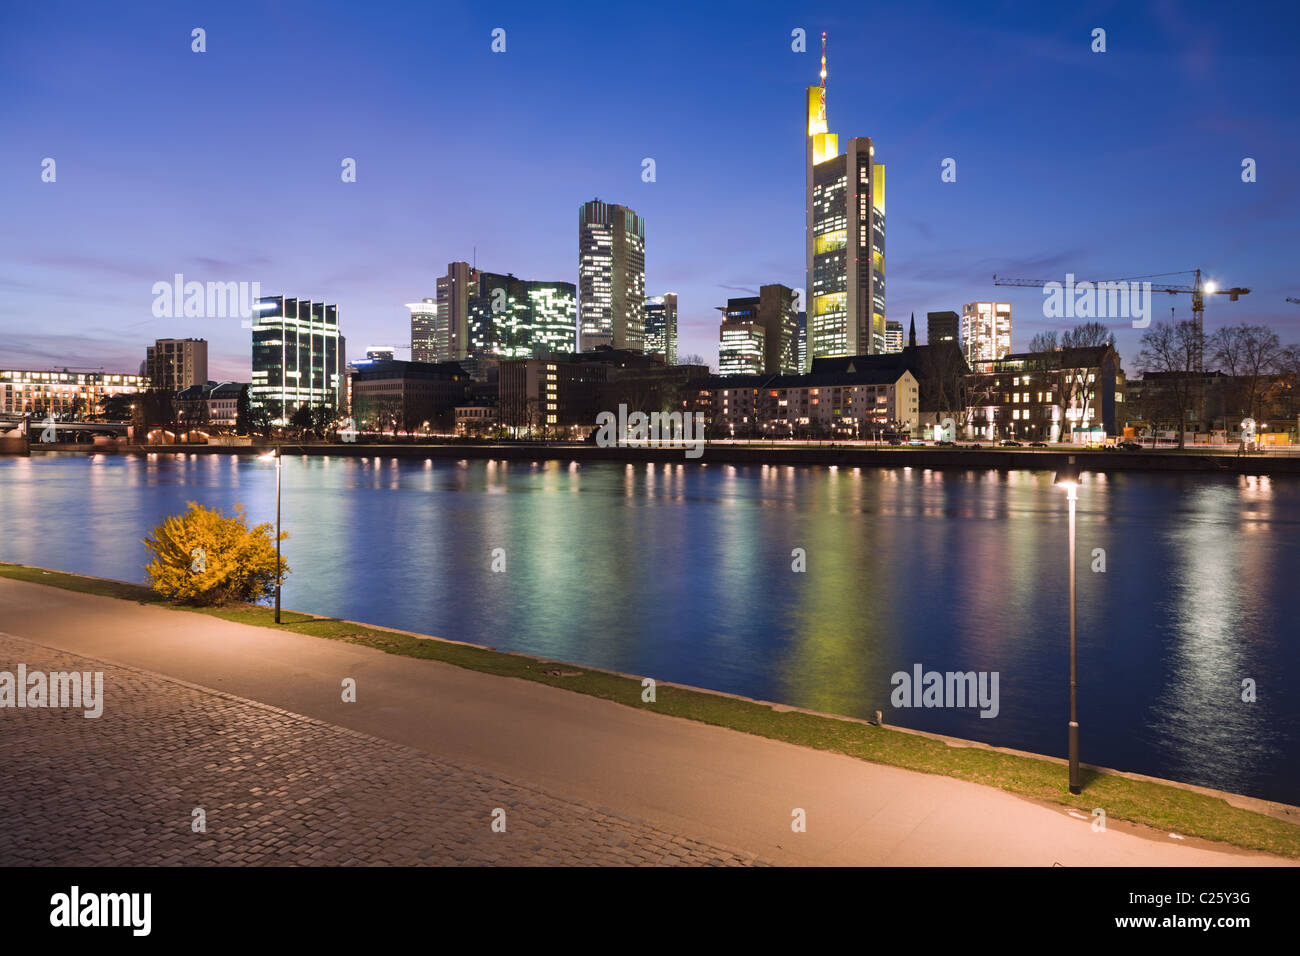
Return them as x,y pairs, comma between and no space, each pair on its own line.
276,455
1068,478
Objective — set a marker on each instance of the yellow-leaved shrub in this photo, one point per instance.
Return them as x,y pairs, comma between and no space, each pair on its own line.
206,557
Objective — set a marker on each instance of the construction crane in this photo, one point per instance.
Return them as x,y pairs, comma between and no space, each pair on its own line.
1198,290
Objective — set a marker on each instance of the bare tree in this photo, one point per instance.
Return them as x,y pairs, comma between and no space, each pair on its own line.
1090,335
694,358
1169,349
1287,394
1044,342
1249,354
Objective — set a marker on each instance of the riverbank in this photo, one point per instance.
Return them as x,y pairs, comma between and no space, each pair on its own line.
982,459
1163,806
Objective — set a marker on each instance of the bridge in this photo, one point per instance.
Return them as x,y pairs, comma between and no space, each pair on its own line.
63,431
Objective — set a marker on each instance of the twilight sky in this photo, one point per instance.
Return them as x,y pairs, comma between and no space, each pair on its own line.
224,165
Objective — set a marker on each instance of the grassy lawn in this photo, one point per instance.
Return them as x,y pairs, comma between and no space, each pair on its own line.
1157,805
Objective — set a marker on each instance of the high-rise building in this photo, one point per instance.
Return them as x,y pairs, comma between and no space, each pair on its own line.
299,356
844,238
451,331
424,324
661,326
893,336
803,342
611,276
486,316
175,364
942,327
985,331
740,348
512,318
773,310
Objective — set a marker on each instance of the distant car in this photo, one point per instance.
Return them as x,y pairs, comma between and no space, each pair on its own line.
944,443
1038,444
896,441
1010,443
1130,446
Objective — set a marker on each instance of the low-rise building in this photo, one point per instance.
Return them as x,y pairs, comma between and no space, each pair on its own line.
555,397
63,394
476,421
393,396
1046,396
848,403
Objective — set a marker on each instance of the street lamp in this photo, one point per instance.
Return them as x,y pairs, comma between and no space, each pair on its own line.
1068,478
276,455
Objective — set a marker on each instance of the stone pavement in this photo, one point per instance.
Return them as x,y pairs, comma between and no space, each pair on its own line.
277,788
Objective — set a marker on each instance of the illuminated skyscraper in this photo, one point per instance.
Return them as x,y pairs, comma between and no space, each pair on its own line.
845,238
893,336
611,276
424,323
661,326
740,348
766,322
298,356
512,318
985,331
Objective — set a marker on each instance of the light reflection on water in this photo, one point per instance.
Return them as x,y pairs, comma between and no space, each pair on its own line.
683,573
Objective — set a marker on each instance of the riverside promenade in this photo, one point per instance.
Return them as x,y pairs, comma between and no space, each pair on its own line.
249,725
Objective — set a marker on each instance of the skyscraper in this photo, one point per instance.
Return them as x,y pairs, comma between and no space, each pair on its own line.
424,323
451,332
611,276
942,327
773,313
844,238
175,364
515,318
985,331
803,342
661,326
740,348
298,356
893,336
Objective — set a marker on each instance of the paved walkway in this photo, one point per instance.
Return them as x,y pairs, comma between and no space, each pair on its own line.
476,742
273,788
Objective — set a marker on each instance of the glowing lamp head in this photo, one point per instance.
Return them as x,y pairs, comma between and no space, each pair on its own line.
1067,476
1210,287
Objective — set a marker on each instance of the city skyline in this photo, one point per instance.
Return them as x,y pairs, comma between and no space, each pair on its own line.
1024,194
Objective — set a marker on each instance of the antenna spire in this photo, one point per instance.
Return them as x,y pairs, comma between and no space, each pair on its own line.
823,59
